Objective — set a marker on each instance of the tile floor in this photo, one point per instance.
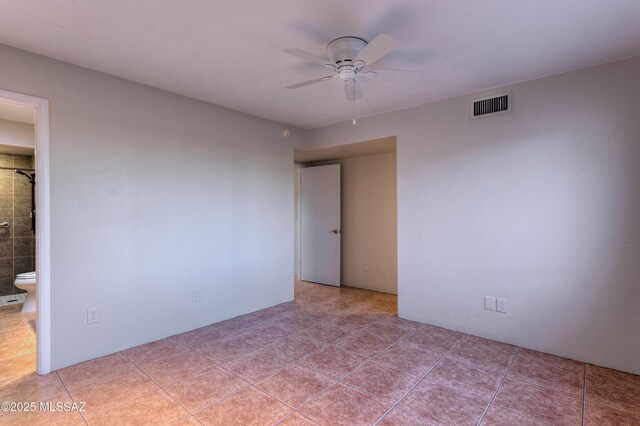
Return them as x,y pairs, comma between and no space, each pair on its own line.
335,356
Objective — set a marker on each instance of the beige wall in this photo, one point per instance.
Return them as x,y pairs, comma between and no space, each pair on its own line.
540,206
17,134
369,222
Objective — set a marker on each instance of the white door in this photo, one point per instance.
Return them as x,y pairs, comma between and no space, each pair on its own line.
320,224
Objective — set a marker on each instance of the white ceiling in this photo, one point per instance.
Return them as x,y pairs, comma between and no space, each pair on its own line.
15,112
230,52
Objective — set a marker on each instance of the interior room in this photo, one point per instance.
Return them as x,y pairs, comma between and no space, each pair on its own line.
320,213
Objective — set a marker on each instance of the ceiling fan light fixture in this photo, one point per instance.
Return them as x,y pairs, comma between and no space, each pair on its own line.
343,50
348,57
347,74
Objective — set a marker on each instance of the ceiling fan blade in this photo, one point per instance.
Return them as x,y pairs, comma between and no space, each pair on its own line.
390,69
309,57
314,81
376,49
353,90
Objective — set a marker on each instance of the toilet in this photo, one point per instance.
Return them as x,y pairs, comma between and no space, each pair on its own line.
27,282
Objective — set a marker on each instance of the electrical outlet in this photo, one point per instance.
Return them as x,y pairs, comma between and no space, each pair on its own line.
501,305
490,303
93,315
198,295
381,268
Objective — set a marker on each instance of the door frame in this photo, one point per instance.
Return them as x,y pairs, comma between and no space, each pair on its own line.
43,224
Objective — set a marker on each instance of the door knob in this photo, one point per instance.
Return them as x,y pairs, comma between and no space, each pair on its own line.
335,231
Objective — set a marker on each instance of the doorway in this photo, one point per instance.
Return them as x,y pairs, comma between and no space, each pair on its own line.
34,177
368,211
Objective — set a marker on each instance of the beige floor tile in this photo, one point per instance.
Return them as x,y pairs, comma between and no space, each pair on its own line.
614,389
466,379
32,388
153,351
205,388
482,356
397,417
248,407
17,347
257,365
500,416
295,347
295,385
17,368
539,403
154,408
333,361
341,405
95,370
600,415
532,370
171,369
441,405
387,383
114,391
364,343
297,419
412,360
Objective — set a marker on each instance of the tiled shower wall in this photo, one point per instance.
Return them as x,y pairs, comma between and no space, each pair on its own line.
17,243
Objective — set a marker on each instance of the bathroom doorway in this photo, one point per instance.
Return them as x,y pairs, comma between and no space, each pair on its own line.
24,236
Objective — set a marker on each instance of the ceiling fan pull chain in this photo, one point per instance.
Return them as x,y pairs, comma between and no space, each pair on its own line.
353,88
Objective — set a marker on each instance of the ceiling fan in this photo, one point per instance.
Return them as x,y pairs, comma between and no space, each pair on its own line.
347,58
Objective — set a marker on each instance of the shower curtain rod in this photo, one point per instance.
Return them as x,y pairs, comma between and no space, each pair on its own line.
17,168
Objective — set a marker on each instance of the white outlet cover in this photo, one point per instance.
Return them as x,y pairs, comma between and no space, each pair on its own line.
490,303
93,315
501,305
198,295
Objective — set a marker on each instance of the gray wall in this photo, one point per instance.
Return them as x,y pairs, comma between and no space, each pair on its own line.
17,243
154,195
540,206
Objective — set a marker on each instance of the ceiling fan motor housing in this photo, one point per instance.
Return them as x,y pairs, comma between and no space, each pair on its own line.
343,51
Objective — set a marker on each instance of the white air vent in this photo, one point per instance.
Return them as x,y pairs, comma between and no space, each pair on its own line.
491,105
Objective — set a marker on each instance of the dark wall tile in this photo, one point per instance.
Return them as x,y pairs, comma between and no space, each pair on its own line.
22,207
15,207
6,187
23,264
24,161
6,160
6,232
6,268
6,286
21,227
6,248
22,246
21,187
6,207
